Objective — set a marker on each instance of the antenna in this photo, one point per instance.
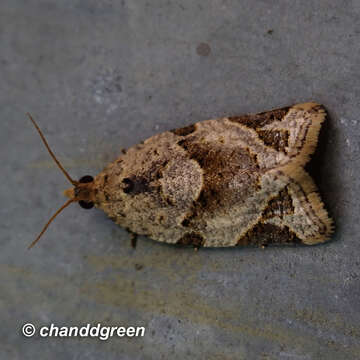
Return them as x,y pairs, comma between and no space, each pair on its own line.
73,182
50,151
49,222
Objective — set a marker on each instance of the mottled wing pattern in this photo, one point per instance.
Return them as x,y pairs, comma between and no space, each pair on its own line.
255,190
222,182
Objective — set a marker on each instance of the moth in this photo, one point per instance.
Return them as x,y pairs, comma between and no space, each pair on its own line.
230,181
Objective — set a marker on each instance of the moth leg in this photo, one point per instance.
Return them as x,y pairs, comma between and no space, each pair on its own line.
133,239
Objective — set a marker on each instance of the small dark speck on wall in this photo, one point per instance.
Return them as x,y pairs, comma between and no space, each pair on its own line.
203,49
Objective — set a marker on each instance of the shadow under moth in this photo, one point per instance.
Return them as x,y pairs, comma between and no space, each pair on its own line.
224,182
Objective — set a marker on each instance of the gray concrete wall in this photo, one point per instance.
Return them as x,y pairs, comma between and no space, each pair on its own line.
99,75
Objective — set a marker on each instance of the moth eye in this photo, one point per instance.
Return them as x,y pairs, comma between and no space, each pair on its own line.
86,179
86,204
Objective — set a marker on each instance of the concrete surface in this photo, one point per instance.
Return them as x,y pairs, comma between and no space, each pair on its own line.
99,75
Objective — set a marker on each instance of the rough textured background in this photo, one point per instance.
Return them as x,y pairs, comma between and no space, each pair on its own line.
99,75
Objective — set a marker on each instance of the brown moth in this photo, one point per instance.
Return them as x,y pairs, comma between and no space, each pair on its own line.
231,181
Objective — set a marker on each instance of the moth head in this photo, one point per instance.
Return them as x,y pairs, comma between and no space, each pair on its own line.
81,192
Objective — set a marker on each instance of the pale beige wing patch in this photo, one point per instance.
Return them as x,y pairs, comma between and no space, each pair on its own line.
310,221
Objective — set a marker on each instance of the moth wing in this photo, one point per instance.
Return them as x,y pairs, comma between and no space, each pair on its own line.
295,214
265,153
282,135
222,182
